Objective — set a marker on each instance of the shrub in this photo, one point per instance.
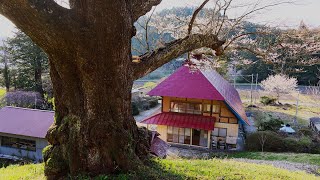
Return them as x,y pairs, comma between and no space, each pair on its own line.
25,99
273,142
265,100
271,125
153,103
305,132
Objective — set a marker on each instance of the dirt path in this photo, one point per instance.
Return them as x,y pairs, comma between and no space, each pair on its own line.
176,152
145,114
311,169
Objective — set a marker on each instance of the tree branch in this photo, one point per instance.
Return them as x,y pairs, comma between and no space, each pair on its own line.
194,15
43,20
141,7
151,61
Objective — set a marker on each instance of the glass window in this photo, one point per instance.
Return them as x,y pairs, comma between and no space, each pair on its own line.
187,137
197,109
175,134
207,108
18,143
222,132
183,107
169,134
215,132
203,138
181,135
215,108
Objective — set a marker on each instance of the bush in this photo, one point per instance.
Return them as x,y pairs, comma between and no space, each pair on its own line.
153,103
273,142
265,100
271,125
305,132
25,99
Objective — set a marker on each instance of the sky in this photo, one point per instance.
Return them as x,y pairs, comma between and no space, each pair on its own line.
283,16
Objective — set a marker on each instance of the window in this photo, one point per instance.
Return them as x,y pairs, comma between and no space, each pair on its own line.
187,136
220,132
170,134
215,108
178,135
175,135
18,143
207,108
183,107
228,120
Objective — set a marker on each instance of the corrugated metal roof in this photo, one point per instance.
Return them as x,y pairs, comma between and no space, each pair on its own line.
25,122
201,84
182,120
185,84
229,93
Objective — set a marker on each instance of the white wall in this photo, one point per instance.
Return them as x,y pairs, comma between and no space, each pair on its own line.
35,155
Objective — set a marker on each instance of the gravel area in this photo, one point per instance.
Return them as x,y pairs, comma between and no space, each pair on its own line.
194,153
312,169
145,114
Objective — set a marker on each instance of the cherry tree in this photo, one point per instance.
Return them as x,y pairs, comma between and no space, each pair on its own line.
279,84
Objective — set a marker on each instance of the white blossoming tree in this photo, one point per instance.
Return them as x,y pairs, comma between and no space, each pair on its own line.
279,84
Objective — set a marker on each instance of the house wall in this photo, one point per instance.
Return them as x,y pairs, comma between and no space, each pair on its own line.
35,155
162,130
224,114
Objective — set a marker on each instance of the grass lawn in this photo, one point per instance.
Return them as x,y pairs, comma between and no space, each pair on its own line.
13,172
2,92
291,157
178,169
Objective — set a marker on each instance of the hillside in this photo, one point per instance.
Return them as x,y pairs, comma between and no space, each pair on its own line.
178,169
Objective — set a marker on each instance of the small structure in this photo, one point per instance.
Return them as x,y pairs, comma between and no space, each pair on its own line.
22,131
287,129
199,108
315,124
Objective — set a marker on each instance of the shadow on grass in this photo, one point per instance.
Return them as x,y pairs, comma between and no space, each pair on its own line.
153,170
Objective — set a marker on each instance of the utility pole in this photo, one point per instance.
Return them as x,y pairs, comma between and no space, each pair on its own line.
251,89
234,77
255,98
295,119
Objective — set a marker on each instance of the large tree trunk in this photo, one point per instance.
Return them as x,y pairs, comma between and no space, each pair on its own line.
94,131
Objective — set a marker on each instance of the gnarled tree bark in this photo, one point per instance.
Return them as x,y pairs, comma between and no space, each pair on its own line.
89,48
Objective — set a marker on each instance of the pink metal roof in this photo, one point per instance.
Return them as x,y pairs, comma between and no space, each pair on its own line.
186,84
182,120
25,122
202,84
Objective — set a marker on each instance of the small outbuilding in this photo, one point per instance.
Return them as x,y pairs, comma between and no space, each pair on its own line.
23,130
287,129
315,124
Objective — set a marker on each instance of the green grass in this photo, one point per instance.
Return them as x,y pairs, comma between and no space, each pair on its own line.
2,92
291,157
31,171
178,169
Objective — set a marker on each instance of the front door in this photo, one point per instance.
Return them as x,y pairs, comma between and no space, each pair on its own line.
196,137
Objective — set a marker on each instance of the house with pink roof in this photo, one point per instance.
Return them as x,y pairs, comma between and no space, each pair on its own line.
199,108
23,131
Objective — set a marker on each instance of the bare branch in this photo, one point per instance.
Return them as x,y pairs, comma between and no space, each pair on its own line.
194,15
151,61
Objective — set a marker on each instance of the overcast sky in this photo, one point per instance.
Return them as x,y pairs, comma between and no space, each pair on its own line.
285,15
